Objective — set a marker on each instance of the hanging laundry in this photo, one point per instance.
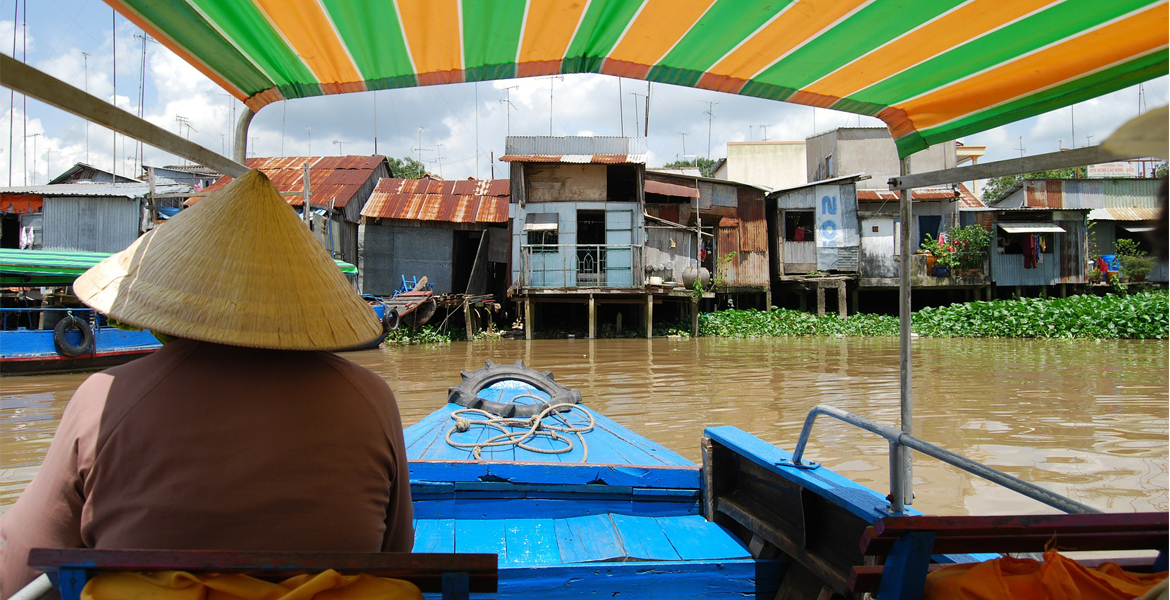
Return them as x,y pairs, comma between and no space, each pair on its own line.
1030,252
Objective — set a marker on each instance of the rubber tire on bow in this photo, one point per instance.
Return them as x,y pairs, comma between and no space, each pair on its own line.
390,320
63,346
467,392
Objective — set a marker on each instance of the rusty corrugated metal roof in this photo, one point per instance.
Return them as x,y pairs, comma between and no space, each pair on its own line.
464,201
671,189
1124,214
335,179
964,195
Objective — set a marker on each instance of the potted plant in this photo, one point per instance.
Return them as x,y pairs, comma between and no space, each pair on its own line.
1135,268
970,244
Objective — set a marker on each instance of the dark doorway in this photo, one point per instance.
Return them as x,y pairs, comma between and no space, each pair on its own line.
10,231
590,239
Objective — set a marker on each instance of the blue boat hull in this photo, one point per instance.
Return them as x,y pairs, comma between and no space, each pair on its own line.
31,351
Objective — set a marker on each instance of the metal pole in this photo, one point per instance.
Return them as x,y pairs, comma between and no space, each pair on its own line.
240,141
902,479
305,196
50,90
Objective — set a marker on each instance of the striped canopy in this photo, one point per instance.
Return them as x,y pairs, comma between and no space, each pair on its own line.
932,70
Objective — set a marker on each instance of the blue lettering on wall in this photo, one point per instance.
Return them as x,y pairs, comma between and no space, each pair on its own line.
829,205
829,233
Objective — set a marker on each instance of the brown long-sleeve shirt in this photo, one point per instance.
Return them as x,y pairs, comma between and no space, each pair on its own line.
204,446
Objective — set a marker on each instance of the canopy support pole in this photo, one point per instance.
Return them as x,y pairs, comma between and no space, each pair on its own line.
18,76
1064,159
240,151
901,458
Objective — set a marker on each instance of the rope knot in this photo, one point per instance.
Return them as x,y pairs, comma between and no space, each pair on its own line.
462,424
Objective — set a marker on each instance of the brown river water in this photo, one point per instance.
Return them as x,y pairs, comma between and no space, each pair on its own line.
1087,419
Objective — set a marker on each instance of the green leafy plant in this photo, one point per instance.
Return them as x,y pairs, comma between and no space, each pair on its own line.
1135,266
717,280
418,335
970,245
1126,247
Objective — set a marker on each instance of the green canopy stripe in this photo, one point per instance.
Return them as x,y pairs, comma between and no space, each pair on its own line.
995,48
724,27
869,28
600,29
241,22
374,39
491,56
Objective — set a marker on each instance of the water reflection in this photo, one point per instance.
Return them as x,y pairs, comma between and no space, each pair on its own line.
1086,419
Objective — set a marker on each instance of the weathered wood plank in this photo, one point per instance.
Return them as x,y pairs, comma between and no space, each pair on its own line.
643,538
588,539
696,538
434,535
551,508
480,537
526,472
531,542
854,497
729,580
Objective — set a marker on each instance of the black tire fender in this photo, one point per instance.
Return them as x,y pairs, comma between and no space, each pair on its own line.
390,320
63,346
467,392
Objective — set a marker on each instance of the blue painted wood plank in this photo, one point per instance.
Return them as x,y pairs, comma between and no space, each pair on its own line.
434,535
854,497
696,538
656,477
905,568
480,537
643,538
729,580
531,542
587,539
510,508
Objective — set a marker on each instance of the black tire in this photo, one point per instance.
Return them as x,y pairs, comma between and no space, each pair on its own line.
63,346
419,316
390,320
467,392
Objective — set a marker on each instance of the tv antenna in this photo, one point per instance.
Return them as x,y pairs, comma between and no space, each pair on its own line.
710,112
508,106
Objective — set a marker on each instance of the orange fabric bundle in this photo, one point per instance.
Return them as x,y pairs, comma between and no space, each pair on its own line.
179,585
1057,577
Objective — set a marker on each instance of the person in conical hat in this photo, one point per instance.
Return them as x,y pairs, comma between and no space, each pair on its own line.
244,432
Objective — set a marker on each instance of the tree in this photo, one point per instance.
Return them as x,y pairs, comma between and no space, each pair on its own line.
1160,170
406,168
1000,185
706,166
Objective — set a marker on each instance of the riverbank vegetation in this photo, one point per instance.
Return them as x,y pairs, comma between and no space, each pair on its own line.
1134,316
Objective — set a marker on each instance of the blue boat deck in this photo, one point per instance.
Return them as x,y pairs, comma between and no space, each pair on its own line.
625,521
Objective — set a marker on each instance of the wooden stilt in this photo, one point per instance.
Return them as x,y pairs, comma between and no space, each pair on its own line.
649,316
842,310
528,316
820,300
592,317
467,319
694,317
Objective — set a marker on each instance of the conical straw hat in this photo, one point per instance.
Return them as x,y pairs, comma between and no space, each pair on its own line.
1145,134
238,268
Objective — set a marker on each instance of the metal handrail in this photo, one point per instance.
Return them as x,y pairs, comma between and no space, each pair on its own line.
569,270
899,440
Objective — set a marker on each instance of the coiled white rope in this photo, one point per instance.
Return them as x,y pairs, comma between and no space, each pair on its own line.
530,428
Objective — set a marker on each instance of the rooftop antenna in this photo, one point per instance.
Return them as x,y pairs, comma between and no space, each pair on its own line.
710,118
636,95
1021,138
1072,118
231,124
420,146
508,106
476,135
1088,140
765,128
646,121
551,84
340,145
375,121
114,80
85,62
310,130
684,137
621,111
12,99
751,133
140,151
34,136
283,114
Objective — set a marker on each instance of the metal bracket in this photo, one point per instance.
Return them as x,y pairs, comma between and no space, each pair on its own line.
808,466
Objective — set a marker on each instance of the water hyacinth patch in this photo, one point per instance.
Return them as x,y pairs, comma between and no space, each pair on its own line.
1136,316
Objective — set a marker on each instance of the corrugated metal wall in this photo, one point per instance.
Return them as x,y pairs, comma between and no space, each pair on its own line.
559,146
1091,193
93,224
1065,264
389,252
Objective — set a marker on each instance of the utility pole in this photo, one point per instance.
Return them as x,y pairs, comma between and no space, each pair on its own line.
114,81
1072,118
375,121
420,148
508,106
684,137
710,118
140,151
34,136
621,112
232,123
310,130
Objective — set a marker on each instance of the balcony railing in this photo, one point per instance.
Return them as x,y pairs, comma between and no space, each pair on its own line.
581,266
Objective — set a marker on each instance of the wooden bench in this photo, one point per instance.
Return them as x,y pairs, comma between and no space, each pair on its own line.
456,576
905,544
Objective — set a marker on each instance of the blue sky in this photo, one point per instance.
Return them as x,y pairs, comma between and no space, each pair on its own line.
455,140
